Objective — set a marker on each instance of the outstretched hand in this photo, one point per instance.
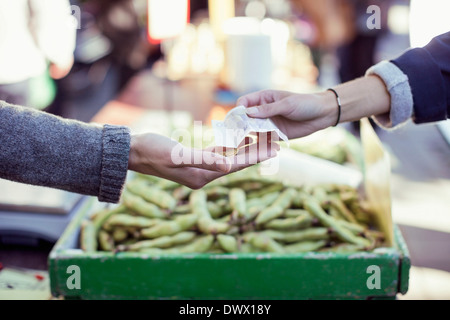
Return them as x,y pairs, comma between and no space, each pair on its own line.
160,156
299,115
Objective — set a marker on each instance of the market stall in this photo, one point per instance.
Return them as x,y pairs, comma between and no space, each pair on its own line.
315,222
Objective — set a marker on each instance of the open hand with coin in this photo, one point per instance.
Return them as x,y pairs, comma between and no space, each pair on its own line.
160,156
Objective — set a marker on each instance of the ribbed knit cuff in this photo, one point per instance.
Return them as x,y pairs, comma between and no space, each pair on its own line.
397,84
116,149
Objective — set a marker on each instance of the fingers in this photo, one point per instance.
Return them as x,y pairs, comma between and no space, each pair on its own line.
226,152
249,100
278,108
197,175
253,154
204,159
246,141
256,98
236,159
230,152
246,157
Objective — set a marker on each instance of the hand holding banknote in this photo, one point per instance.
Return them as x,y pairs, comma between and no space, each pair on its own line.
297,115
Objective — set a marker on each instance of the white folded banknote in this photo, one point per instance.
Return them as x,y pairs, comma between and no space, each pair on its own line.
237,125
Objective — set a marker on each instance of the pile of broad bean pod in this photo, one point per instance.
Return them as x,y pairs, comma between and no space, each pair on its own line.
239,213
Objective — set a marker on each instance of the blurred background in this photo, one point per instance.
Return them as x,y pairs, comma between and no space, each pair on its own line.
111,61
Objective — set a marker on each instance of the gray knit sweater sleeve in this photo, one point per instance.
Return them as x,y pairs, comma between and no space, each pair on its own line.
42,149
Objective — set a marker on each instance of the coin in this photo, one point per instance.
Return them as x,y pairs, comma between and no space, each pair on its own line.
228,152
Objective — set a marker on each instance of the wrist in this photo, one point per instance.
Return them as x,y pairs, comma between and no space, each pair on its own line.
362,97
133,158
330,108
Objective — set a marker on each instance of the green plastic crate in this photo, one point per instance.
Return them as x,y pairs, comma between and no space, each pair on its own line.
74,274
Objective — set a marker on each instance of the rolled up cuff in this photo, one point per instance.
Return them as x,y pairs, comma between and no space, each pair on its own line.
116,149
397,84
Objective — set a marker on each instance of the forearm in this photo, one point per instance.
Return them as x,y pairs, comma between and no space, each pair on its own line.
41,149
363,97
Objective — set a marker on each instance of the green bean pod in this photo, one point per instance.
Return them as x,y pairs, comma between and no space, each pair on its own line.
320,194
210,226
374,234
343,210
251,186
265,243
344,248
105,241
99,213
234,230
299,222
141,206
181,193
217,192
88,236
246,247
299,199
119,234
215,247
219,208
318,233
271,188
238,203
332,211
147,178
356,228
126,220
206,224
349,196
256,205
161,242
216,251
227,243
155,181
167,184
167,228
152,194
363,215
182,209
342,233
305,246
127,242
237,179
277,208
199,245
375,237
105,214
294,213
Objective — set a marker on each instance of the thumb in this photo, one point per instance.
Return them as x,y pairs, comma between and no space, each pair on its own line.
268,110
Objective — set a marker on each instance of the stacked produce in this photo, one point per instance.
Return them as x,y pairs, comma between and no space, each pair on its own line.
335,144
239,213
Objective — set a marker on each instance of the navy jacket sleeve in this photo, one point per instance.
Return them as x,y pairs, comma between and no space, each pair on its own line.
428,71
